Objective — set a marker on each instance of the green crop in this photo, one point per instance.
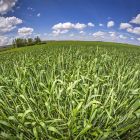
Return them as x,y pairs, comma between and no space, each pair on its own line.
70,92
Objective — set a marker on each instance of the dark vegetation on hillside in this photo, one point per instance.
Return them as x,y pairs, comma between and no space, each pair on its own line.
19,42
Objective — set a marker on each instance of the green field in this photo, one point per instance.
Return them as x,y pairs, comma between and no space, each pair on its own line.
74,90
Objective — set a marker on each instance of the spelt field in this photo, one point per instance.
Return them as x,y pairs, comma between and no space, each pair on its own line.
70,91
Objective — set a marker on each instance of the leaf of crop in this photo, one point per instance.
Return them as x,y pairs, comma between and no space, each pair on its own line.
43,126
21,136
127,127
51,128
84,130
8,137
90,103
26,112
6,124
75,111
35,133
54,120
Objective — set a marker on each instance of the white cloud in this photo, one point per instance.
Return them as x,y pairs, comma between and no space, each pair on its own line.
122,37
110,23
25,31
101,25
125,25
37,35
66,25
135,30
79,26
90,33
138,39
6,24
103,37
99,34
45,33
82,32
136,19
56,32
90,24
132,38
38,14
71,34
5,40
6,5
64,31
113,34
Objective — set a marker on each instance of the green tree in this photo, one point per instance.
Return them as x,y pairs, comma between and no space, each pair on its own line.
30,40
24,42
14,44
37,40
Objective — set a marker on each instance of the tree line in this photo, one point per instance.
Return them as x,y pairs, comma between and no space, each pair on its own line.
19,42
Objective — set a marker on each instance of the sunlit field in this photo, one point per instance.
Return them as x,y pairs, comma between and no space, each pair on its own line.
70,91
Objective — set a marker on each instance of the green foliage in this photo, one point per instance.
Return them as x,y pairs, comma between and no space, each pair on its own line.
38,43
30,44
70,92
43,42
37,40
30,40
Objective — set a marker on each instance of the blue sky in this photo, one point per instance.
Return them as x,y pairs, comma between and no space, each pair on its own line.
91,20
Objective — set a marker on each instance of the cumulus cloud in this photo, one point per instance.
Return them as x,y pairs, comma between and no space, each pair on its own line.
82,32
113,35
66,25
97,34
38,14
5,40
37,35
56,32
71,34
64,31
6,5
135,30
102,37
122,37
138,39
110,24
136,19
90,24
45,33
125,25
8,24
79,26
101,25
25,31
